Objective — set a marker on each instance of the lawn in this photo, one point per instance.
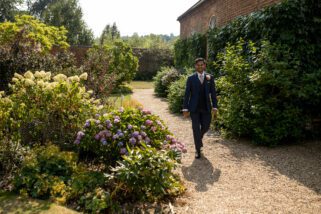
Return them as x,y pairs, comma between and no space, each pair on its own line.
142,84
11,203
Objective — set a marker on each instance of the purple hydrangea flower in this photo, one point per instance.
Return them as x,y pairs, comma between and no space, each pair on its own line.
148,122
109,126
168,137
139,137
120,144
80,134
87,124
121,135
143,134
146,112
123,151
97,121
147,140
132,141
107,122
97,115
153,128
121,109
107,133
116,136
143,127
117,117
135,134
104,142
97,136
77,141
116,121
129,127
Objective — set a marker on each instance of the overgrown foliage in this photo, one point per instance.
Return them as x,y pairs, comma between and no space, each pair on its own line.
164,78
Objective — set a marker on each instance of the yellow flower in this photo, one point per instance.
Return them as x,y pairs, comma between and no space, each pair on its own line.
48,75
29,75
41,83
74,79
60,78
16,75
83,76
29,82
2,94
15,80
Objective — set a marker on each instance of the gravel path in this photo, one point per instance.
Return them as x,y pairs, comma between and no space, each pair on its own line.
238,177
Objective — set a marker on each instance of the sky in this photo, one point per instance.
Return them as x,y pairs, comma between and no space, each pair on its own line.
135,16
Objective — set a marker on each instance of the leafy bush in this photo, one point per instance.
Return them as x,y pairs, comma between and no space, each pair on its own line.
32,33
164,78
108,67
146,173
45,173
44,109
176,94
108,137
262,93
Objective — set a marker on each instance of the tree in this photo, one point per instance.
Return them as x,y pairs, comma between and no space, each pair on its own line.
109,34
8,9
65,13
28,31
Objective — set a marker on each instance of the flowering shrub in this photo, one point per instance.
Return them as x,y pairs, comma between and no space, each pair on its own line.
109,136
44,108
164,78
146,174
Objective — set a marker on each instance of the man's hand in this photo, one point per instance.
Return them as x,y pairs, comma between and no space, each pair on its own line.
186,114
214,110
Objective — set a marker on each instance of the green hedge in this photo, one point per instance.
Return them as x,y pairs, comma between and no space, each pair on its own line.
186,50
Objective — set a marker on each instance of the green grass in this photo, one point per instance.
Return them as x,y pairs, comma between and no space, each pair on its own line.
11,203
142,84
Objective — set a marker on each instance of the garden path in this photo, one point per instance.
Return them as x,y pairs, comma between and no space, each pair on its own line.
238,177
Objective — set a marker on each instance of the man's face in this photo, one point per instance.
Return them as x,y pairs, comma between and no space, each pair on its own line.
200,66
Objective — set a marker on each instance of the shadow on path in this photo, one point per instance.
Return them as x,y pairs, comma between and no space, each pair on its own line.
202,173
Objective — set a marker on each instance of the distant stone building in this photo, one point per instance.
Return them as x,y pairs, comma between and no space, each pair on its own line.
207,14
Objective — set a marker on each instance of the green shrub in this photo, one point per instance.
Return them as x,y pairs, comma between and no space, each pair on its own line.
107,137
45,173
261,94
176,94
164,78
109,66
146,174
44,109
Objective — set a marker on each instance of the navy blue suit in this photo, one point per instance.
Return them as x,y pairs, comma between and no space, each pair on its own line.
199,99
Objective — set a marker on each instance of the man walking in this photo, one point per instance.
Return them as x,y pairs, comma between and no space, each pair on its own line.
199,101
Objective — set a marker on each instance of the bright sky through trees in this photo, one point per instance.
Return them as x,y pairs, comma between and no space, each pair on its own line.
140,16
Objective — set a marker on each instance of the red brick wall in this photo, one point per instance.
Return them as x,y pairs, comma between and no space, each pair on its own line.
224,11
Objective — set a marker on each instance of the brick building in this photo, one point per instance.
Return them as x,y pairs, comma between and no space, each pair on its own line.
207,14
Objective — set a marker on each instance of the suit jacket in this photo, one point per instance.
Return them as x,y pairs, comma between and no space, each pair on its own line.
193,86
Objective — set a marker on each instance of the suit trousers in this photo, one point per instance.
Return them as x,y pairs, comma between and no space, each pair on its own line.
201,121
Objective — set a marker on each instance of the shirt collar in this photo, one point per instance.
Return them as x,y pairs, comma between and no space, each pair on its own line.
200,74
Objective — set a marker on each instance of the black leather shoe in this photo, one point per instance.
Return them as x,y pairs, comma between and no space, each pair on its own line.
198,155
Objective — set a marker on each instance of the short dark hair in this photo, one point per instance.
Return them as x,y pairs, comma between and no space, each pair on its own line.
200,59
